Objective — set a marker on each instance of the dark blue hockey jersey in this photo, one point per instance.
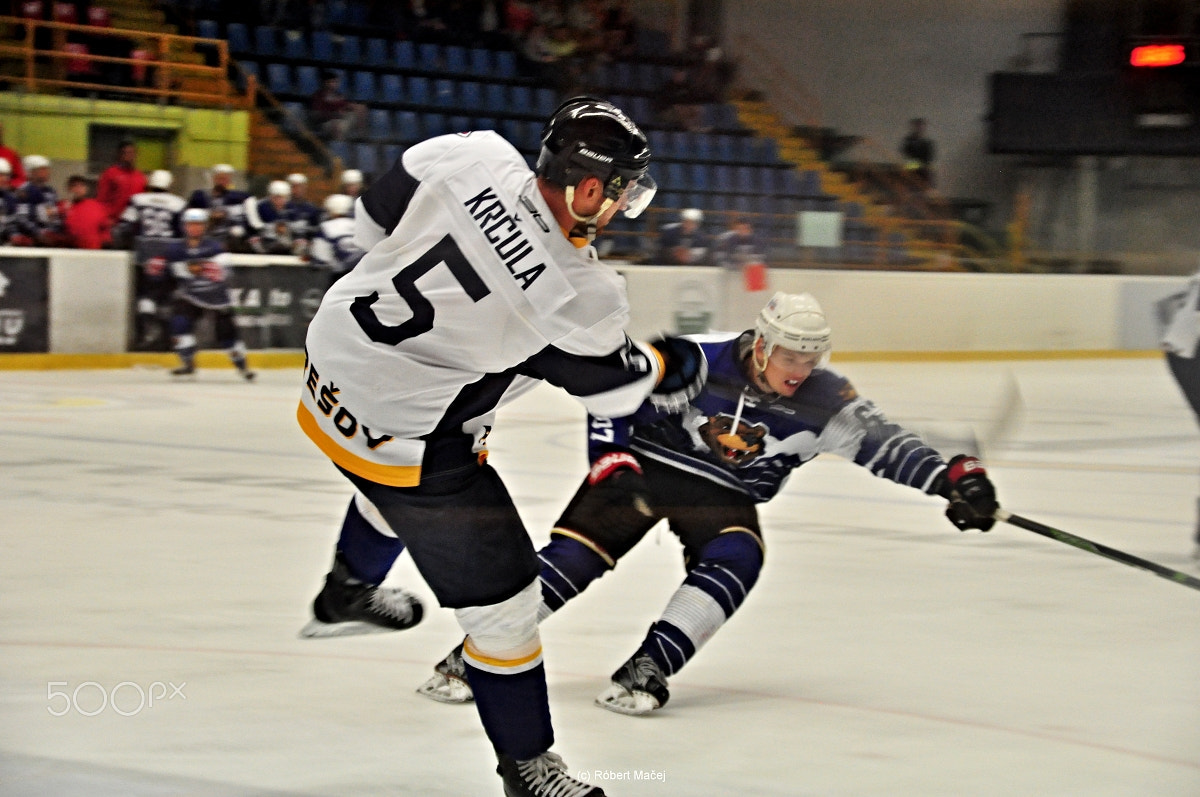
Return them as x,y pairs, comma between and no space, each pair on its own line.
226,213
735,435
200,272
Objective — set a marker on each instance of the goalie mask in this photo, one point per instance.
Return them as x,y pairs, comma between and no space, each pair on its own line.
796,322
588,136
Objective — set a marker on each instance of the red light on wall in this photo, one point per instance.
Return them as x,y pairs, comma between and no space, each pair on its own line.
1157,55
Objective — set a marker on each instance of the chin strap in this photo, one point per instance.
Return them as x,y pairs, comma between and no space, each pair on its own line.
589,222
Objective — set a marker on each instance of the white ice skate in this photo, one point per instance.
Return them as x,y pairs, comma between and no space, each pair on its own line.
448,684
637,688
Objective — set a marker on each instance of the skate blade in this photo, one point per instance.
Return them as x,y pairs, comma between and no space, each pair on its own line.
319,630
446,690
622,701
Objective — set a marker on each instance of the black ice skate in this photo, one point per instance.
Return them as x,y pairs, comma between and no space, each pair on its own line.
448,684
638,687
347,606
544,776
184,370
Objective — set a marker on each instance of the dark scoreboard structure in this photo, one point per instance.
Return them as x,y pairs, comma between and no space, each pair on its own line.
1127,83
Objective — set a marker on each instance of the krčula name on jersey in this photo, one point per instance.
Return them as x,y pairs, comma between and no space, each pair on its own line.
344,421
495,222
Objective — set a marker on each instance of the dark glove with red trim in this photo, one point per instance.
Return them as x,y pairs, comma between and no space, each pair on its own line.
617,494
971,494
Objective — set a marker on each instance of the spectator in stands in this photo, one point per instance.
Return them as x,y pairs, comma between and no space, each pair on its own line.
676,104
737,246
918,151
39,218
518,20
268,228
85,220
303,216
10,156
119,182
620,31
8,202
683,243
332,115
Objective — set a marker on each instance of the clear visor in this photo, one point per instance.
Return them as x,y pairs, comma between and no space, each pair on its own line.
638,195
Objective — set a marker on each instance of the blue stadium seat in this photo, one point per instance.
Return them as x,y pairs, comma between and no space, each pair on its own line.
545,101
336,12
408,127
379,124
700,178
470,95
391,89
322,45
480,61
208,29
429,56
295,116
341,149
351,50
265,41
418,90
362,87
239,38
456,59
377,52
495,98
389,154
486,123
404,54
459,124
522,99
505,64
744,180
724,178
279,79
308,80
701,146
676,178
434,124
250,68
294,45
444,94
356,14
810,184
723,149
366,158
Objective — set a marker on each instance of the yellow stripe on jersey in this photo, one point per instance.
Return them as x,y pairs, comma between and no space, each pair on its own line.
391,475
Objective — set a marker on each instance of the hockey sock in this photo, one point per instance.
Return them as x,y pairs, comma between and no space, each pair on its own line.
514,708
237,353
568,566
369,553
713,590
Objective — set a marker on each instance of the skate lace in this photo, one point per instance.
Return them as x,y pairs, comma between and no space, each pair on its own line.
646,668
548,775
394,603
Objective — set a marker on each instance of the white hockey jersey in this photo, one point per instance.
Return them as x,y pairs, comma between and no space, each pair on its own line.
154,214
469,293
1183,320
334,247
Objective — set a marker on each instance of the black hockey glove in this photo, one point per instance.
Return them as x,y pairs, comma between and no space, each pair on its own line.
617,494
970,492
684,372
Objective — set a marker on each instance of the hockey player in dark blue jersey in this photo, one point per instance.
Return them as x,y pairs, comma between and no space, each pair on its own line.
198,268
225,205
770,405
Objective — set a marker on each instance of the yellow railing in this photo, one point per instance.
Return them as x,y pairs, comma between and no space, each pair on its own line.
165,86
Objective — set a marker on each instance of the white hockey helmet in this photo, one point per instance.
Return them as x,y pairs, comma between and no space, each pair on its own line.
160,178
32,162
352,177
222,168
279,188
796,322
195,215
5,166
339,204
692,214
296,178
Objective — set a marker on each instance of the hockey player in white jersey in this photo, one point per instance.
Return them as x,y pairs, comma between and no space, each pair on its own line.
333,248
479,280
154,213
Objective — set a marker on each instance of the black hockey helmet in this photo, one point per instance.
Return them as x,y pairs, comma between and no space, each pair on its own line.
589,136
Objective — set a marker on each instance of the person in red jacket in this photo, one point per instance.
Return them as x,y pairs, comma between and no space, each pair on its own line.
14,162
85,218
121,181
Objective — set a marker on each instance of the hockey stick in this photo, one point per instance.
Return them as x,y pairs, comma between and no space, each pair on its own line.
1097,548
